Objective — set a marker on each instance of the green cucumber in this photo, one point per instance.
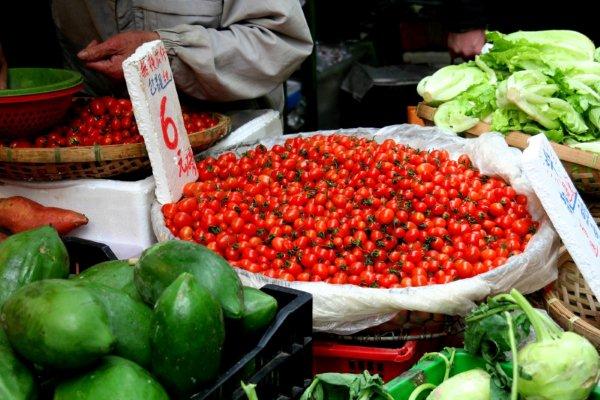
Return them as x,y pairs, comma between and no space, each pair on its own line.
31,256
187,336
115,378
16,381
117,274
260,310
162,263
130,321
54,324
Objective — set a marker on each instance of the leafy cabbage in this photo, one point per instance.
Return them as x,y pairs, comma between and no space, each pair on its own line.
449,82
467,109
542,81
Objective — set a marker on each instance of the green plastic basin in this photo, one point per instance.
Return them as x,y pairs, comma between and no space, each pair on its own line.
27,81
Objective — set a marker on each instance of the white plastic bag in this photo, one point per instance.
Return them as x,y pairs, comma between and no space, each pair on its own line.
346,309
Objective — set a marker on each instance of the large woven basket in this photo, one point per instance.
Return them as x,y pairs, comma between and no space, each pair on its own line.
571,303
92,161
582,166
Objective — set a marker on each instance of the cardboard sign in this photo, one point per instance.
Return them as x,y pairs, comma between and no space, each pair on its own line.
567,211
158,115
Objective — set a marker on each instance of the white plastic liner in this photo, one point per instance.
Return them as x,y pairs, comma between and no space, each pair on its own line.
347,309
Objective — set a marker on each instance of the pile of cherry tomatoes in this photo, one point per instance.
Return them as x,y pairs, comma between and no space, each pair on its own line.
344,209
104,121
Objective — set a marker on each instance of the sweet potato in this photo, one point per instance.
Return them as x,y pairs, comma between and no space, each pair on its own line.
19,214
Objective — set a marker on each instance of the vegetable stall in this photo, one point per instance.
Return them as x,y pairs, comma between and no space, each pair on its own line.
400,263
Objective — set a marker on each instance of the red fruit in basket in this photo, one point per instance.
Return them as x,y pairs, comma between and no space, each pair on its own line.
116,110
109,102
117,137
98,107
20,143
100,124
107,140
127,122
41,141
115,125
125,103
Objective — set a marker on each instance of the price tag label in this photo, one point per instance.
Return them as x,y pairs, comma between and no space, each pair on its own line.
158,115
567,211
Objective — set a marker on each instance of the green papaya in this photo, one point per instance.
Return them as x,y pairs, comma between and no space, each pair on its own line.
129,320
115,378
55,324
260,310
187,336
31,256
117,274
162,263
16,381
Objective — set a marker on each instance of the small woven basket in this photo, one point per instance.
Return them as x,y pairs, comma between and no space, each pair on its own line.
571,302
80,162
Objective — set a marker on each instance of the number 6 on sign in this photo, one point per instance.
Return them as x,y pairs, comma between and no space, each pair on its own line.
165,123
158,115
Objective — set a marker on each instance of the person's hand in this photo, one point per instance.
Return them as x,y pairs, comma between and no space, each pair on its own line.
3,70
107,57
467,44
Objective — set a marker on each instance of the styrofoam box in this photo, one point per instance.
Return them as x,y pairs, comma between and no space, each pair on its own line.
118,211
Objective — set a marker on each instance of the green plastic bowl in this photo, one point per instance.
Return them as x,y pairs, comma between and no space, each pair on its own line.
25,81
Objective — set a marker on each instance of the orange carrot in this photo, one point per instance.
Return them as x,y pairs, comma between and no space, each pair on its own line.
18,214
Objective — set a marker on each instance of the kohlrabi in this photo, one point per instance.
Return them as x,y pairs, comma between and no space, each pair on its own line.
557,366
472,385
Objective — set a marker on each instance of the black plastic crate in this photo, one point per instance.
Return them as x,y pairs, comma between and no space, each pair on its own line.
281,363
85,253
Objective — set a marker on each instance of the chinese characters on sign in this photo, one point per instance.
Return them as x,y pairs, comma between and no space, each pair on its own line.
158,114
564,206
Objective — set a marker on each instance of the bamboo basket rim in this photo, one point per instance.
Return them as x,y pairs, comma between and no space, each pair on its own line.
565,316
99,153
519,140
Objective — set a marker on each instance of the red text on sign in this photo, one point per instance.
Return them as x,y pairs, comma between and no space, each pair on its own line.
165,123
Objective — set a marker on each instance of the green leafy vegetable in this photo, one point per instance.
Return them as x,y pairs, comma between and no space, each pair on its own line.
531,92
542,82
467,109
334,386
449,82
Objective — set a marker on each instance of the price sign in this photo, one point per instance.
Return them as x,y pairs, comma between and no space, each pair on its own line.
564,206
158,115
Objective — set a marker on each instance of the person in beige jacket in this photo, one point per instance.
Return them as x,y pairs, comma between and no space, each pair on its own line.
235,51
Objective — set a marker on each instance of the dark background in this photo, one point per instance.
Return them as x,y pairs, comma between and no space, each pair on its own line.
382,30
